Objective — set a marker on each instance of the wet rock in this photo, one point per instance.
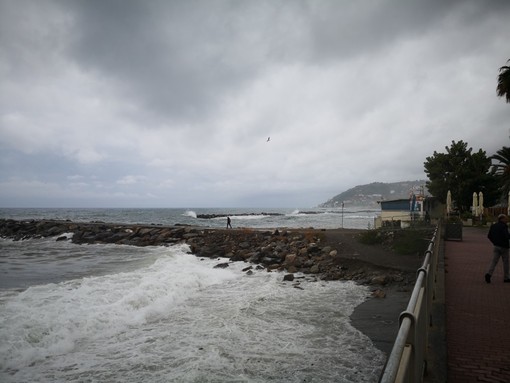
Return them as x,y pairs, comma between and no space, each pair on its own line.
379,280
378,294
288,277
326,249
290,259
235,257
313,248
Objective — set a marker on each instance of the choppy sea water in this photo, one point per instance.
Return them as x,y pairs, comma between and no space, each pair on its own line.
320,218
109,313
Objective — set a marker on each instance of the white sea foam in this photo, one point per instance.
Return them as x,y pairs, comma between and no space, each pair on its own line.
69,235
190,213
49,320
178,319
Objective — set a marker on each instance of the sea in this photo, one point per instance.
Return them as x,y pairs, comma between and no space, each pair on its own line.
116,313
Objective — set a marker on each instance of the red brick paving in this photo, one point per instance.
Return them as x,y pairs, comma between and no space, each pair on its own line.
477,313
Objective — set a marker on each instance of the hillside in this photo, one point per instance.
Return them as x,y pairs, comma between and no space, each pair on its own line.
369,194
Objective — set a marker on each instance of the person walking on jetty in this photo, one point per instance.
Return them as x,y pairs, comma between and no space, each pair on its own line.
229,224
499,236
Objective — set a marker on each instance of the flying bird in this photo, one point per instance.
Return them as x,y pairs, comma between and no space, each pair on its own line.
268,139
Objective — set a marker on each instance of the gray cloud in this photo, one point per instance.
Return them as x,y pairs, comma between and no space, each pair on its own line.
134,103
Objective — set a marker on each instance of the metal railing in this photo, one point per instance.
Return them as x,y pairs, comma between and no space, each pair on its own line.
407,360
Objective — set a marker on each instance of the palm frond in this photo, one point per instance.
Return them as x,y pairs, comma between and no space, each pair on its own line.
503,88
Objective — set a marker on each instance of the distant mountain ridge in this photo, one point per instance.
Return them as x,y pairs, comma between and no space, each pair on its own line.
369,194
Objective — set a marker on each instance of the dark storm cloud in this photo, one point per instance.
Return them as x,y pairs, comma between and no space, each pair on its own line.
179,58
171,102
174,57
344,29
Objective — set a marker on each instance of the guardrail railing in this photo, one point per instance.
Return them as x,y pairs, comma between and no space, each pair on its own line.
407,360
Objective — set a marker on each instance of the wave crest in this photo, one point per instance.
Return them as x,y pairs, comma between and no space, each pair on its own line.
190,213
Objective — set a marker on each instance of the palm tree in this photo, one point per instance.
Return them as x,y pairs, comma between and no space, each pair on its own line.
502,169
503,88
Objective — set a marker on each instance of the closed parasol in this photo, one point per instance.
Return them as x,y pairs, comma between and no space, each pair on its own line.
475,204
480,204
449,202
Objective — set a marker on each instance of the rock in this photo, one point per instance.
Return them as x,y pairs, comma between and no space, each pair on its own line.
379,280
290,259
313,248
207,251
398,278
326,249
256,257
288,277
142,231
378,294
270,260
235,257
300,261
54,230
221,265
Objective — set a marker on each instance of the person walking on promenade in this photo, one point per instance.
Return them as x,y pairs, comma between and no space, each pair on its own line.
229,224
499,236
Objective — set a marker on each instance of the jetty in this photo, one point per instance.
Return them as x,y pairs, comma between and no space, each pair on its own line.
314,252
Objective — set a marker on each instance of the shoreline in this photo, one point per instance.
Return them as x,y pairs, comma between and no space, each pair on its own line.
325,254
378,318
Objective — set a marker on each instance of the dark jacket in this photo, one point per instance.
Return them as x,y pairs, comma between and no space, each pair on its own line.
498,234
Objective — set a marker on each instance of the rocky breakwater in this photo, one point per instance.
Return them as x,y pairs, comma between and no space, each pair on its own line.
289,251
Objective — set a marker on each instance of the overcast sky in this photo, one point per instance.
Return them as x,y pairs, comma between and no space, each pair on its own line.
170,103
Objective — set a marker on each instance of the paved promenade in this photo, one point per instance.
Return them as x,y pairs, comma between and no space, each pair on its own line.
477,313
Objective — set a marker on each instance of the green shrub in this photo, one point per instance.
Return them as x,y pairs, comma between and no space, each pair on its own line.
402,241
371,237
411,242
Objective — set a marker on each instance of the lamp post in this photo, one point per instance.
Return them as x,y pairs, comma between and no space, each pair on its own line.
342,214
